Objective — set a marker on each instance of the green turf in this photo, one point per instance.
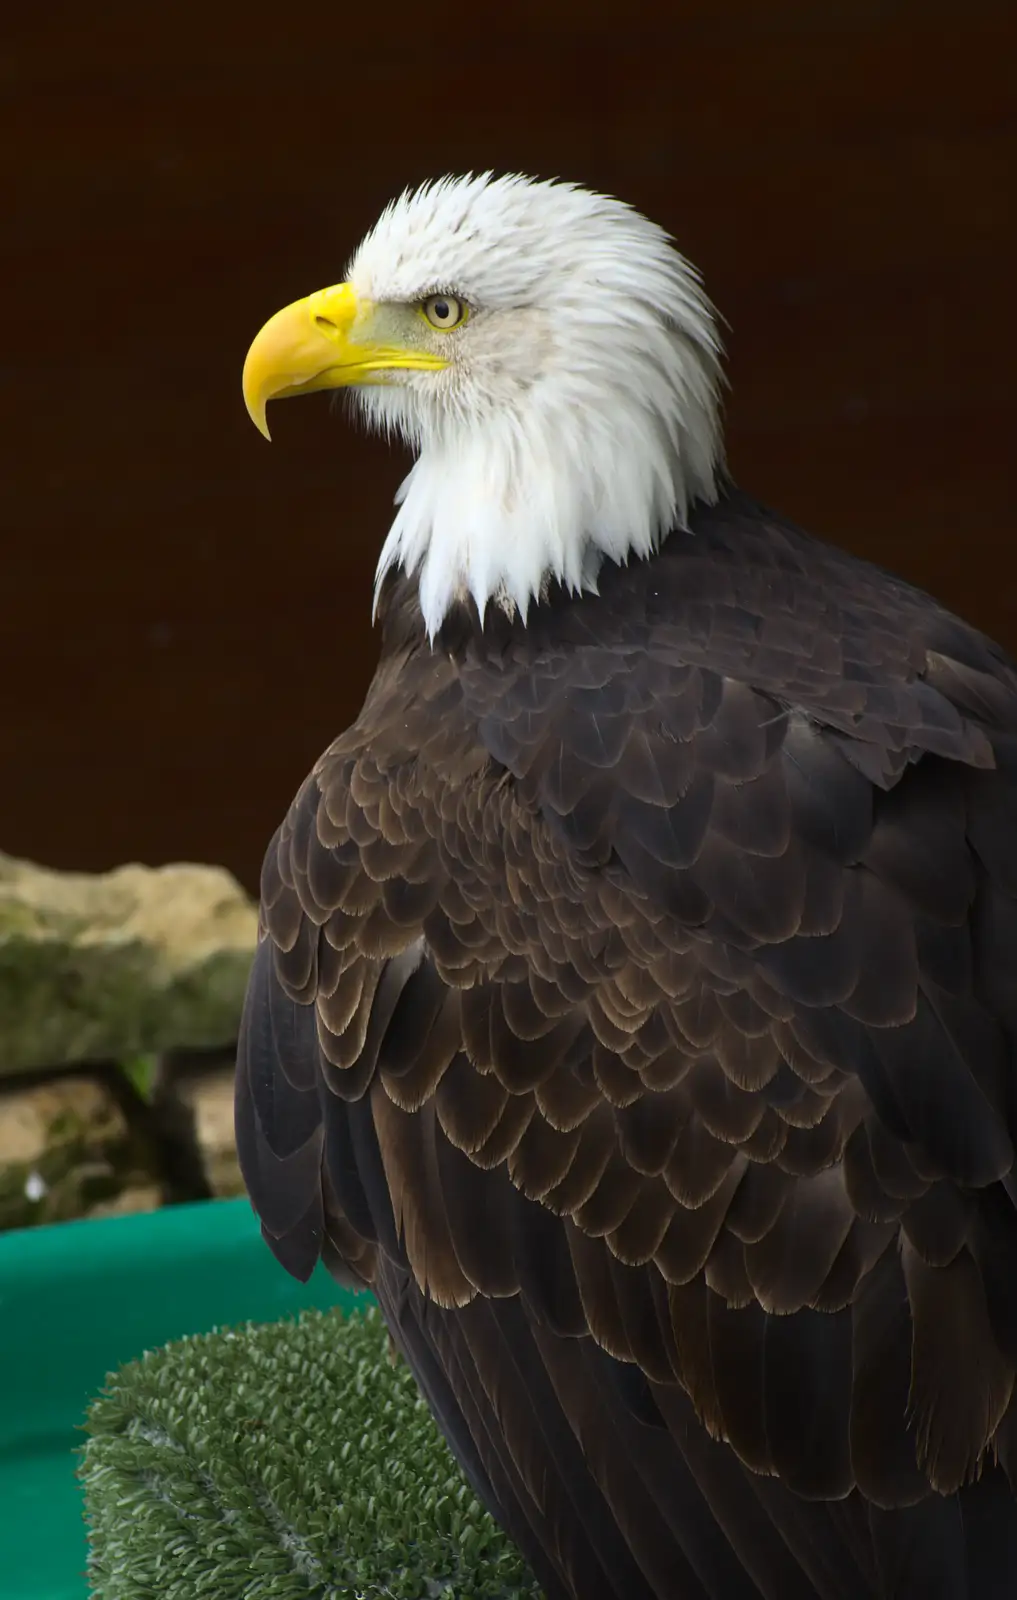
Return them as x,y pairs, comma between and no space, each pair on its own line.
77,1300
271,1462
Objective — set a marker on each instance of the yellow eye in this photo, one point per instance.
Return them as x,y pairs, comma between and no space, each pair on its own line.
444,312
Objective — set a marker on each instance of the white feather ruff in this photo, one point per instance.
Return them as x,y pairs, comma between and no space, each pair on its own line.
579,417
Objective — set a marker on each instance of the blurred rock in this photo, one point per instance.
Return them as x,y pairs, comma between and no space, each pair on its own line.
98,966
208,1094
65,1146
142,1197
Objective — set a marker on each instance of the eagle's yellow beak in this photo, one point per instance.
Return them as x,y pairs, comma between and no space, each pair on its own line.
323,342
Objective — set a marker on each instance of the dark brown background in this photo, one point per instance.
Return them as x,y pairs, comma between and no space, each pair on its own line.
184,612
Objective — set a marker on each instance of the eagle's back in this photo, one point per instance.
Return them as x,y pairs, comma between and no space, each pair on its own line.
635,1012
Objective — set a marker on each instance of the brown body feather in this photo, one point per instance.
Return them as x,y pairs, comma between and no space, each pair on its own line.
635,1012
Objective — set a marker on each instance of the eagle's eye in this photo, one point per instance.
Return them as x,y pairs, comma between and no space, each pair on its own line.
444,312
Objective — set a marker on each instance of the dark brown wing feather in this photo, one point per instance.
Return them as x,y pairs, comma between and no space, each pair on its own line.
635,1012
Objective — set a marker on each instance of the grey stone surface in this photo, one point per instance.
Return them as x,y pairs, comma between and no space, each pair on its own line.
65,1148
208,1093
101,966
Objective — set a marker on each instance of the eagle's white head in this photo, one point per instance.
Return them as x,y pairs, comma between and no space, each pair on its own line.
550,358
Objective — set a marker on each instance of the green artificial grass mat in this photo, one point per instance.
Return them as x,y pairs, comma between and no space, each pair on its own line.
283,1461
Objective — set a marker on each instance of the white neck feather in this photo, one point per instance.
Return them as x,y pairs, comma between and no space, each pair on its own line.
580,422
498,512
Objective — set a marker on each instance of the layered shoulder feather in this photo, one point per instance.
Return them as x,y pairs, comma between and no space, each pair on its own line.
635,1012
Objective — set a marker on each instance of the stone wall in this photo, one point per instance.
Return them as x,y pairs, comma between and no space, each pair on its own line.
120,998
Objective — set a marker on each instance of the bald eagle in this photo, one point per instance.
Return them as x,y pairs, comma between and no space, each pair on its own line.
635,1004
